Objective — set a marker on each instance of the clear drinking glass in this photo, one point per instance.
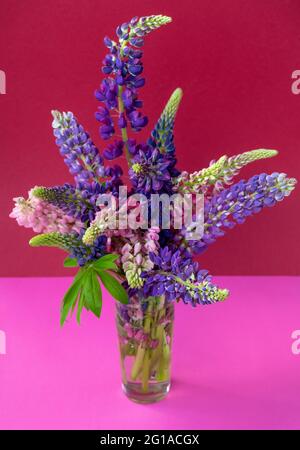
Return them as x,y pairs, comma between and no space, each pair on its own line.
145,328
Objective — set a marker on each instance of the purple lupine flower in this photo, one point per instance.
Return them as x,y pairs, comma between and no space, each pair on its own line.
133,147
241,200
108,93
135,68
137,42
90,192
79,152
114,150
74,202
152,171
102,115
122,121
123,66
177,277
85,254
115,181
137,120
130,100
106,131
137,82
108,64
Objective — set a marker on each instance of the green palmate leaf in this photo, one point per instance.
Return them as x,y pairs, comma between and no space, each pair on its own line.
70,262
113,287
80,306
108,265
74,304
106,262
92,293
97,294
108,257
85,291
80,274
70,298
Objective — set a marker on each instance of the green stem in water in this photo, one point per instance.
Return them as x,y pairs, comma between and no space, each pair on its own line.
138,362
139,359
157,333
147,359
146,371
163,367
157,352
123,130
122,357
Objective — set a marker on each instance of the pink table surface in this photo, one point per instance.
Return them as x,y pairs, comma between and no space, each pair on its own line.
233,366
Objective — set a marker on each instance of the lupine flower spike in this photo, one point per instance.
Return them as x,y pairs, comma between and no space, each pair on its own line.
162,135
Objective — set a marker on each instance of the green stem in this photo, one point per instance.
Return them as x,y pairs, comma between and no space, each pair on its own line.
138,362
164,363
140,354
146,371
183,282
157,352
122,357
147,359
160,358
123,130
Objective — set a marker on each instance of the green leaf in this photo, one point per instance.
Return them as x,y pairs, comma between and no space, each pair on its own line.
109,257
97,293
70,262
105,265
80,306
82,272
113,287
92,293
74,304
106,262
70,299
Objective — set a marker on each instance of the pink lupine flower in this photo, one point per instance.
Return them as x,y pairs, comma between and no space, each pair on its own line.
43,217
135,254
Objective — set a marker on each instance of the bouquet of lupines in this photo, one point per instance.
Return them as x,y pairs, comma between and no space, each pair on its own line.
139,266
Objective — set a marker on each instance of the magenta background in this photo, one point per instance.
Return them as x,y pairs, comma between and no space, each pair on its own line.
232,365
234,61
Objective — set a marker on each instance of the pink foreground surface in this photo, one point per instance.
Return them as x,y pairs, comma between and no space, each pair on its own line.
233,366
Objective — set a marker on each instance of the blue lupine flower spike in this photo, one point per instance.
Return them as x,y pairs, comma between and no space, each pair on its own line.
75,145
119,91
177,277
73,244
69,199
162,136
233,205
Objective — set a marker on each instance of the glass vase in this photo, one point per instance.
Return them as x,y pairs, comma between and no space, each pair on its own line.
145,329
